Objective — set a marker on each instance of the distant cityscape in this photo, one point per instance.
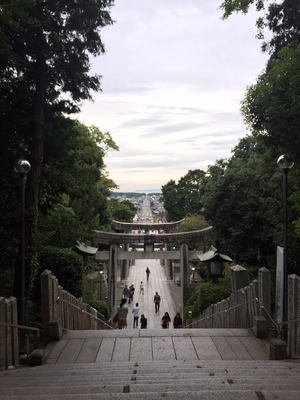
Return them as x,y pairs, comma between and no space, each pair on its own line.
137,198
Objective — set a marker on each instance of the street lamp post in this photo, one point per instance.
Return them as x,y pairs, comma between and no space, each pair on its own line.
193,276
23,167
285,163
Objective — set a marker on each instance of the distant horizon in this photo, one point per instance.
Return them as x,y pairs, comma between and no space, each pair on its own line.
139,191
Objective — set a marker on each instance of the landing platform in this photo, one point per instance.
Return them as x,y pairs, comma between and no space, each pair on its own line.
156,345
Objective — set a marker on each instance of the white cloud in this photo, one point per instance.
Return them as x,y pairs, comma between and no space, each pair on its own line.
173,78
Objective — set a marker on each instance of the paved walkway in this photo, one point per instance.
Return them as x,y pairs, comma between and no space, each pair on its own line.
156,345
157,283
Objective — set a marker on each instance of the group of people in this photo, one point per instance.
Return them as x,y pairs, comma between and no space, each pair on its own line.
121,317
128,293
165,321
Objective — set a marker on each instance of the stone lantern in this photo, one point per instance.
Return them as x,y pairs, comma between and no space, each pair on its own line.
214,262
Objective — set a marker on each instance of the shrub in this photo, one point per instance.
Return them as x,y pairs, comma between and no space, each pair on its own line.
206,294
102,307
65,264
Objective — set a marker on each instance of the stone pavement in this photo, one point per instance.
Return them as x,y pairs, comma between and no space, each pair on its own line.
169,293
156,345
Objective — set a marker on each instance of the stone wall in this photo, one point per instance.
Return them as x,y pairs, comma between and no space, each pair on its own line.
294,316
9,340
62,310
245,303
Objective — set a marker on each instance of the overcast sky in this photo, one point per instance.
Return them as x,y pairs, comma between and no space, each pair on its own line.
174,74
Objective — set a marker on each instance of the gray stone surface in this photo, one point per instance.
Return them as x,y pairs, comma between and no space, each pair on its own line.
162,348
89,350
106,350
184,348
141,349
205,348
121,349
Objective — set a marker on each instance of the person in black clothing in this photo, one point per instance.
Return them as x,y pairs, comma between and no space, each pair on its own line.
148,273
143,322
177,321
156,301
165,321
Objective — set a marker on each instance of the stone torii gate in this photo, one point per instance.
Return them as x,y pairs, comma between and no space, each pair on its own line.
152,249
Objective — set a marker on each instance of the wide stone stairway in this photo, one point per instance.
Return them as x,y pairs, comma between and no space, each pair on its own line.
155,364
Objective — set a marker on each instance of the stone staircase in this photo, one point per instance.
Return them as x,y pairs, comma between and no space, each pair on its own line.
209,378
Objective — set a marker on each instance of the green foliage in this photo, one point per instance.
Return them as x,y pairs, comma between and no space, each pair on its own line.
123,211
282,19
271,106
66,265
192,222
45,71
171,201
241,199
206,294
186,196
102,307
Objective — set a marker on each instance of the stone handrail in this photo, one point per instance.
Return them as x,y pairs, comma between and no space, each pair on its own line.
61,310
240,308
9,338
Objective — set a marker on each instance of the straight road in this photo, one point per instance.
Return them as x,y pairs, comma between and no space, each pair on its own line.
157,283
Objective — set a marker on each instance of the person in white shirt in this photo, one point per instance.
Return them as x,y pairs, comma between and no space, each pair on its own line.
135,312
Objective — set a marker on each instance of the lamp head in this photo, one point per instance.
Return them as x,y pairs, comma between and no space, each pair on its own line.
285,162
23,167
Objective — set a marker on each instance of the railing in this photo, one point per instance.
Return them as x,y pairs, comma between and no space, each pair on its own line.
99,320
10,333
62,310
274,326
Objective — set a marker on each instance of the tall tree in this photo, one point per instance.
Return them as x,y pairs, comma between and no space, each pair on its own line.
171,201
45,49
282,19
242,201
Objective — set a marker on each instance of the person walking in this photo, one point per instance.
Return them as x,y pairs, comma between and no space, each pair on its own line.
165,320
122,316
143,322
135,312
148,273
125,292
131,290
141,288
156,301
177,321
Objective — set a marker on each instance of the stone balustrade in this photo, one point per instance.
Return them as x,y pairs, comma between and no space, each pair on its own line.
62,310
245,302
9,339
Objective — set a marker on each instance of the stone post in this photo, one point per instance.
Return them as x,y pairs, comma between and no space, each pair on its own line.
50,321
15,336
112,271
184,269
169,264
294,315
264,292
239,278
124,264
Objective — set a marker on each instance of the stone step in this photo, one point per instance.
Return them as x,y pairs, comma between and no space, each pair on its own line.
159,365
194,374
155,387
203,395
58,370
215,380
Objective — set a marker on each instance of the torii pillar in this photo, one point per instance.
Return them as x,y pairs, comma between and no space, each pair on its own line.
184,269
112,275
